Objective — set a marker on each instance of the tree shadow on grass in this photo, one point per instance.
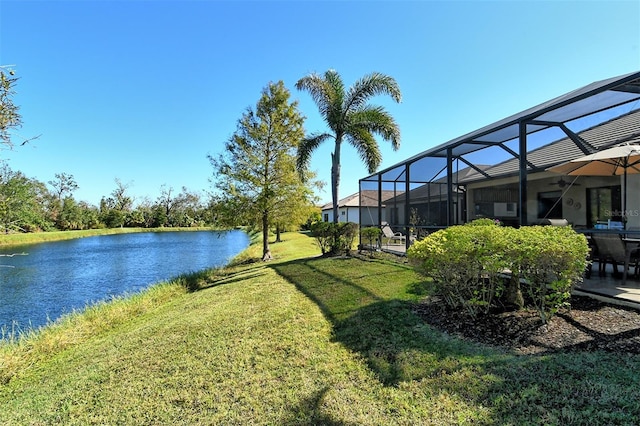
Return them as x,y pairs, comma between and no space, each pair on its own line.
203,280
309,412
399,346
383,331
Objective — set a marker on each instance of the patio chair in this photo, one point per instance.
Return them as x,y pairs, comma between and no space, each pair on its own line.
388,233
612,249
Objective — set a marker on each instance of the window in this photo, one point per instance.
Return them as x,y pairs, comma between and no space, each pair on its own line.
550,205
604,203
326,217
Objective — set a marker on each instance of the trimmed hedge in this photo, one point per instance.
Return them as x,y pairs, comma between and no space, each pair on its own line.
473,265
335,238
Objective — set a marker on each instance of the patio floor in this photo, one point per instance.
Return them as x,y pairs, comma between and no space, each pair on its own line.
610,288
605,288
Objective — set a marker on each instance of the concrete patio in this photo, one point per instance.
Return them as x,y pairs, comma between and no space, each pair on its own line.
610,289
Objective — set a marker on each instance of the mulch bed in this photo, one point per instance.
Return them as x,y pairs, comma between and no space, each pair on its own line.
589,325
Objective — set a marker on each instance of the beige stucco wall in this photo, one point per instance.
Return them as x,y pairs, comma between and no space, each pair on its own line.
574,207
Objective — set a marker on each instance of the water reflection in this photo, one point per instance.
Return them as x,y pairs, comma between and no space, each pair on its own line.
58,277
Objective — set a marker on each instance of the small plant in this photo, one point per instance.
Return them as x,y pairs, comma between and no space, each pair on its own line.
371,234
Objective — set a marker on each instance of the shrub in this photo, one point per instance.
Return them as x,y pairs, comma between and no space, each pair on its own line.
323,233
548,260
346,235
370,234
485,221
335,238
468,264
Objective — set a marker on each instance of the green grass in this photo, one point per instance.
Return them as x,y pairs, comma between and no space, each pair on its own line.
300,340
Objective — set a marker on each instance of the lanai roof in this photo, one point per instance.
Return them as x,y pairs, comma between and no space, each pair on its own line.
623,129
602,98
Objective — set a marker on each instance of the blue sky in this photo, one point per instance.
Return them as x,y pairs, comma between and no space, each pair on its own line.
143,91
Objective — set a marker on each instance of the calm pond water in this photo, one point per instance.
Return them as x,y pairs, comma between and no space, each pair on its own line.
55,278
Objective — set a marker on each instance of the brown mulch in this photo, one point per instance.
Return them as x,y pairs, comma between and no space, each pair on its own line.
589,325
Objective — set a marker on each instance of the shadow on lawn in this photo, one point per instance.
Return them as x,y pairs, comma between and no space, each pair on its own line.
309,412
398,346
203,280
383,331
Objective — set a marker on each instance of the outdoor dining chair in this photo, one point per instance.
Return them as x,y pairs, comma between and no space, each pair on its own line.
611,249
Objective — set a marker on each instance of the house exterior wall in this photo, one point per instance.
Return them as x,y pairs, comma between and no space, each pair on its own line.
345,214
574,197
633,201
369,216
352,214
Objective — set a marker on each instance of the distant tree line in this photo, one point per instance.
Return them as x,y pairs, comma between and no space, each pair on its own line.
28,205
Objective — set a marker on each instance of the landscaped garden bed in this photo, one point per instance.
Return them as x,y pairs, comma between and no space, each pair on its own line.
589,325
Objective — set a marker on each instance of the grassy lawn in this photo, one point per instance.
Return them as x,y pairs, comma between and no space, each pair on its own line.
300,340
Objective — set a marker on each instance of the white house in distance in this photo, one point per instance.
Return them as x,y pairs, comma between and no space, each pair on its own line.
361,211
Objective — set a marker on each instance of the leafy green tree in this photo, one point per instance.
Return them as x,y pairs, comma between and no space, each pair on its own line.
296,202
121,200
77,215
182,209
166,202
256,173
109,215
21,202
90,215
349,118
9,116
70,216
63,185
188,209
135,219
114,209
148,212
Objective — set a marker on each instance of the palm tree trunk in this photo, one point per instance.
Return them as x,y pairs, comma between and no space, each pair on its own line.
335,177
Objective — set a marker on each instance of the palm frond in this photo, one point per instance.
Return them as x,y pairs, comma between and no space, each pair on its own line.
320,91
371,85
336,94
328,92
367,147
375,119
306,148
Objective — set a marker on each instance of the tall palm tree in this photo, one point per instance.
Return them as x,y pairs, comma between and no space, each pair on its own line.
350,118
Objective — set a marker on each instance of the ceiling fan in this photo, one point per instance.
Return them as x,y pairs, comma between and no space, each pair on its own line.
562,183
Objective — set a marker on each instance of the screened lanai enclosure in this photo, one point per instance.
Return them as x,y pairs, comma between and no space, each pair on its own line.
501,171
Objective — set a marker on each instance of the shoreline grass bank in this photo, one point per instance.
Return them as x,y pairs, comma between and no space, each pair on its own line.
300,340
9,240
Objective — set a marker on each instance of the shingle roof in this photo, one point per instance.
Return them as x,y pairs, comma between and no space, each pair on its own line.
369,199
